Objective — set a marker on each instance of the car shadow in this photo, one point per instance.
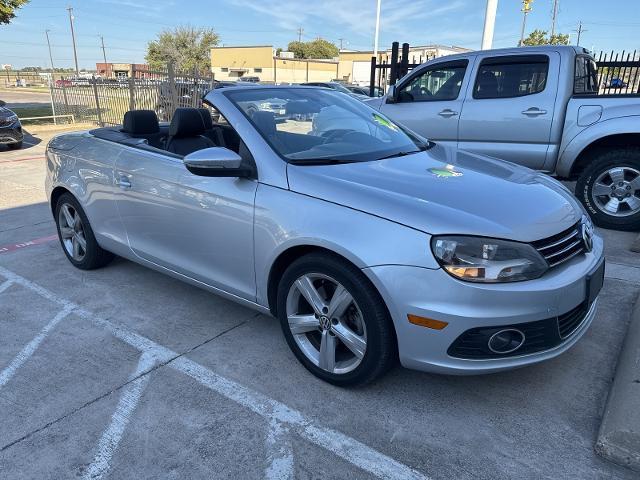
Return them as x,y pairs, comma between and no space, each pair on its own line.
28,142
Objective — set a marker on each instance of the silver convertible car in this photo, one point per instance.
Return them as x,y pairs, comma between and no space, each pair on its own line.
369,243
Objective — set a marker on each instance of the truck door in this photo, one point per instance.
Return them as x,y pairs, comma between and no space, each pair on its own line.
509,111
429,101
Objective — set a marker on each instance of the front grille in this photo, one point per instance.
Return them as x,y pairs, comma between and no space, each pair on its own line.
561,247
570,321
540,335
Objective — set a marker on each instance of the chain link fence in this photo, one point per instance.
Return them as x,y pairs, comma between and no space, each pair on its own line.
104,101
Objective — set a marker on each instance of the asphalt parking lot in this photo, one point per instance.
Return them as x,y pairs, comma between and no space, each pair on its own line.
125,373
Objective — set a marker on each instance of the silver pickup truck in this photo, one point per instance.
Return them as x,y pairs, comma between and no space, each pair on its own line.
540,107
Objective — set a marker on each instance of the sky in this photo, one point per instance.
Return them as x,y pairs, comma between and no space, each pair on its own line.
128,25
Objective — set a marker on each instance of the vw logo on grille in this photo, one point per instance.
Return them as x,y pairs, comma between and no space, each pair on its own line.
587,236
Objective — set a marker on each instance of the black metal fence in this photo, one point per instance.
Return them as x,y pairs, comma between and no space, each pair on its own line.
104,101
618,73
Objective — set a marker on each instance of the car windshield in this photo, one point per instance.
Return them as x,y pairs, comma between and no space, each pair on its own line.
316,125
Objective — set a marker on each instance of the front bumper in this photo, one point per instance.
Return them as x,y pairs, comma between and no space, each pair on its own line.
435,294
11,133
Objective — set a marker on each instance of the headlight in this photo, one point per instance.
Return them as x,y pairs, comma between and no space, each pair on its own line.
487,260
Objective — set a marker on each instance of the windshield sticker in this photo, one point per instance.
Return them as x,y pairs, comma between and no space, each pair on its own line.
384,122
445,172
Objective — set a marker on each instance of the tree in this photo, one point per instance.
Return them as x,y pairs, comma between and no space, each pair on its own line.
318,48
8,8
539,37
188,48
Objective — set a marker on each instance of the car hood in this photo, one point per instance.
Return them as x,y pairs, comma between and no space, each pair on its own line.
446,191
5,112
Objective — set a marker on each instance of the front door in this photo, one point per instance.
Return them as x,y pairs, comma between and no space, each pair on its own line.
429,101
201,227
509,112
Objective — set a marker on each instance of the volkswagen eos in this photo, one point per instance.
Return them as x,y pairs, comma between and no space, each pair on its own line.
368,242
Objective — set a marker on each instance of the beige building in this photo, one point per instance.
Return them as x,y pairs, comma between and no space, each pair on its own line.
231,63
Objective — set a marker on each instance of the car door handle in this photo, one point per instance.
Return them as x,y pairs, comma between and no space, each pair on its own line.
534,112
123,182
447,113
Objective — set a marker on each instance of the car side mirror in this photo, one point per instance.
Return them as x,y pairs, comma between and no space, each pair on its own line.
391,94
216,162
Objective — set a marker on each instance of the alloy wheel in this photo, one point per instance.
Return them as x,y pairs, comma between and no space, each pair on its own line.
326,323
72,232
616,191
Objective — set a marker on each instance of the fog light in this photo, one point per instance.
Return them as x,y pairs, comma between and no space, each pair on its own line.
506,341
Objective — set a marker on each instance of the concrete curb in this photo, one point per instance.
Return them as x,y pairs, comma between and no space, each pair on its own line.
635,246
619,436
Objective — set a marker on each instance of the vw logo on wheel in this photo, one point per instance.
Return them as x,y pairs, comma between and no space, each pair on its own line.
587,236
325,323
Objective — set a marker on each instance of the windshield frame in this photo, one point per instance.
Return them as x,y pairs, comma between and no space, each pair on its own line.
421,144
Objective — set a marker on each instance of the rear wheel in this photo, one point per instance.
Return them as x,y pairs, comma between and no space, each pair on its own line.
334,320
609,188
76,236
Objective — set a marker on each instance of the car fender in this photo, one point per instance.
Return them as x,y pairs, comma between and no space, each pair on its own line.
614,126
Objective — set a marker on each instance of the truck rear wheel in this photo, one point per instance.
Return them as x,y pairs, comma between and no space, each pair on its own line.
609,188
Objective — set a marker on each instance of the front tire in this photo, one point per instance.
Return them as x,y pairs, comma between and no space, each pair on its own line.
335,321
76,235
609,188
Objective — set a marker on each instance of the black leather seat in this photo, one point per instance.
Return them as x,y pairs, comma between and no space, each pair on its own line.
211,131
143,124
186,132
487,86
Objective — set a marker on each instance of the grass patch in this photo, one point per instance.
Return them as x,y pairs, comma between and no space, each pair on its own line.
26,112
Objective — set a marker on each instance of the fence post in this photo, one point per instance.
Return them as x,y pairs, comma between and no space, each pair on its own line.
172,89
64,95
53,103
132,92
95,94
372,77
394,63
404,63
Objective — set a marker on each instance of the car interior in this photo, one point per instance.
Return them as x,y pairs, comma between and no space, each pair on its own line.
190,130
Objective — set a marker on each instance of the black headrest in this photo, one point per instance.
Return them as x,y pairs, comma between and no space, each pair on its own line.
140,122
265,122
206,118
186,122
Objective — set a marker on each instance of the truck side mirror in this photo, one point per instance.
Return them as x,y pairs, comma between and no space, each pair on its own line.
391,94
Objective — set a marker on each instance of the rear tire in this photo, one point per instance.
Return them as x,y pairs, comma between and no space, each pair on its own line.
609,188
76,235
361,319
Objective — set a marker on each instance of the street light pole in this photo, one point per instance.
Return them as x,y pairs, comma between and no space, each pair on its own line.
377,34
489,24
554,17
73,39
46,32
526,10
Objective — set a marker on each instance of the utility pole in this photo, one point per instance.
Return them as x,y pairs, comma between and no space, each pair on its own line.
341,40
377,33
554,17
73,39
489,24
46,32
580,31
526,10
300,32
104,55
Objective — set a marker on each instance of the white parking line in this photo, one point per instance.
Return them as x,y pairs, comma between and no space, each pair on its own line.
31,347
120,419
279,452
341,445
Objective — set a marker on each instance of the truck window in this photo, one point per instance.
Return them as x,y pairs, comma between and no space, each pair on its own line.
440,82
513,76
586,76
